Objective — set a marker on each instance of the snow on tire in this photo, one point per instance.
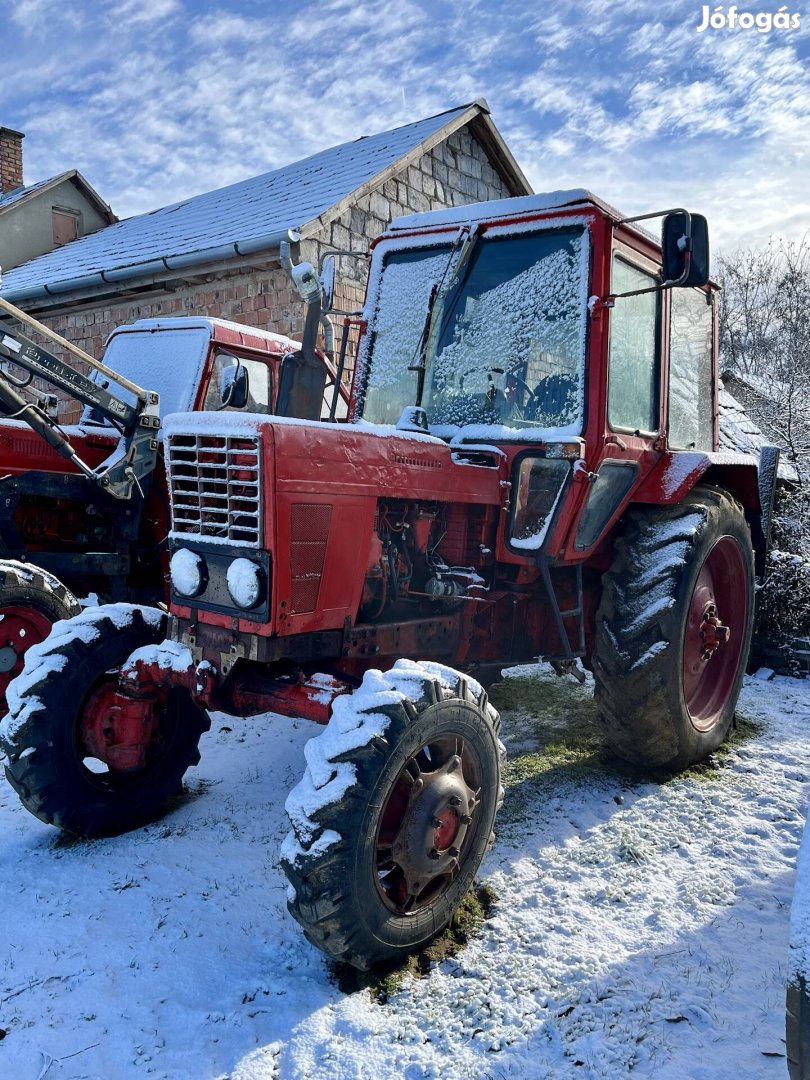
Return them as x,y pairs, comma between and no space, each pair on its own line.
673,629
31,601
395,812
69,678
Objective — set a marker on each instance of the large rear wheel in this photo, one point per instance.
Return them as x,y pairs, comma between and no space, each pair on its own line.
80,755
394,814
674,629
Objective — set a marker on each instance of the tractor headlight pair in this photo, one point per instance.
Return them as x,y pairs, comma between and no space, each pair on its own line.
245,579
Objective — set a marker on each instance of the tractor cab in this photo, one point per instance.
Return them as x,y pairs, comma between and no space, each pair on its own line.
556,330
205,364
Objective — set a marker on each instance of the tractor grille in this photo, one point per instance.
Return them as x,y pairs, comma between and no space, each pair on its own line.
309,535
215,487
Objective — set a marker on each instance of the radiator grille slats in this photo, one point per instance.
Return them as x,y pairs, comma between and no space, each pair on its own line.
215,487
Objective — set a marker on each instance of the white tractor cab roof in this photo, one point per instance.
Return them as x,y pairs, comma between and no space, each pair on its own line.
504,209
278,342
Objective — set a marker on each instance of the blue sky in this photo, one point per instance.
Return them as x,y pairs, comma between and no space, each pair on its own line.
155,100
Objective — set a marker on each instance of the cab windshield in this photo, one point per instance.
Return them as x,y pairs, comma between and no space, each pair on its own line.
169,361
489,332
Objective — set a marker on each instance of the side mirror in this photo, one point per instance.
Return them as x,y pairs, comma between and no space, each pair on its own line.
233,386
685,248
327,281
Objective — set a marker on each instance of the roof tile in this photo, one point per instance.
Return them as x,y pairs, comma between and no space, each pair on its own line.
243,213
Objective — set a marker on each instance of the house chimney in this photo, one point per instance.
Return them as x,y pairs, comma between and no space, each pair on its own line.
11,165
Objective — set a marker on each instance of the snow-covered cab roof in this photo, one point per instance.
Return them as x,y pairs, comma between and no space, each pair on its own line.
574,198
221,330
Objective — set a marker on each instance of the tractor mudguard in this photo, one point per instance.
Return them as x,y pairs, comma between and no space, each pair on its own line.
752,484
678,471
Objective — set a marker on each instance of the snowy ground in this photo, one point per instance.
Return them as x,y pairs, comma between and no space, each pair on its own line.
641,927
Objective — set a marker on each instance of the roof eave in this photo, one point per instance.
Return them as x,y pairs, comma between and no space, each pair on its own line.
151,271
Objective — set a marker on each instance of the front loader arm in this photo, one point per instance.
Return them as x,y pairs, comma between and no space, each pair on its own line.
136,455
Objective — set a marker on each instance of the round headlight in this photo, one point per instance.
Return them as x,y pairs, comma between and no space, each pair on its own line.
245,583
188,573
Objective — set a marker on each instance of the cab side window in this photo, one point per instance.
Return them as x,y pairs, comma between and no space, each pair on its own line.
691,401
633,394
260,385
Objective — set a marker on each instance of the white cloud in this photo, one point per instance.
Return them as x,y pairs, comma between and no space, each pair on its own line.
31,15
596,94
140,12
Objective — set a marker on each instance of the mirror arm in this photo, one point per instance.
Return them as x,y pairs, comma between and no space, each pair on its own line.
611,298
687,263
687,249
659,213
326,252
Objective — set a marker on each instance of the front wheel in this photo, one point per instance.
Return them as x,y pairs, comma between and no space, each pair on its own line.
674,629
394,814
81,756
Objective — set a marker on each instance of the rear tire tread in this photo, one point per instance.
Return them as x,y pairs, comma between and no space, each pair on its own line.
637,662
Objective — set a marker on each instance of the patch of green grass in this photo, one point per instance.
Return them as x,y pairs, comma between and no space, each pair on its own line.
561,694
574,760
744,728
385,980
528,765
559,717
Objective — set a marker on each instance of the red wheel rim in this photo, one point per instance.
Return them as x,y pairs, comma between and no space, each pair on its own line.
20,628
716,627
426,824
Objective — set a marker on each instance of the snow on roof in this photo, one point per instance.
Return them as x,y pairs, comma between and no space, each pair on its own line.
12,198
762,387
739,433
240,219
8,198
523,204
177,322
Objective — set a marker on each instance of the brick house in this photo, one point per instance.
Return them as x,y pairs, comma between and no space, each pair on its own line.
218,253
37,218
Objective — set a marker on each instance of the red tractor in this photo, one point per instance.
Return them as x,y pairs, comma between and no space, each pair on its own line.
530,469
83,508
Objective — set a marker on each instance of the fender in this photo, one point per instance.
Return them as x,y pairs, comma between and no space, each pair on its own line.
750,481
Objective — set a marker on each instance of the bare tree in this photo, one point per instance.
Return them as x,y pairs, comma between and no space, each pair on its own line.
765,343
765,340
